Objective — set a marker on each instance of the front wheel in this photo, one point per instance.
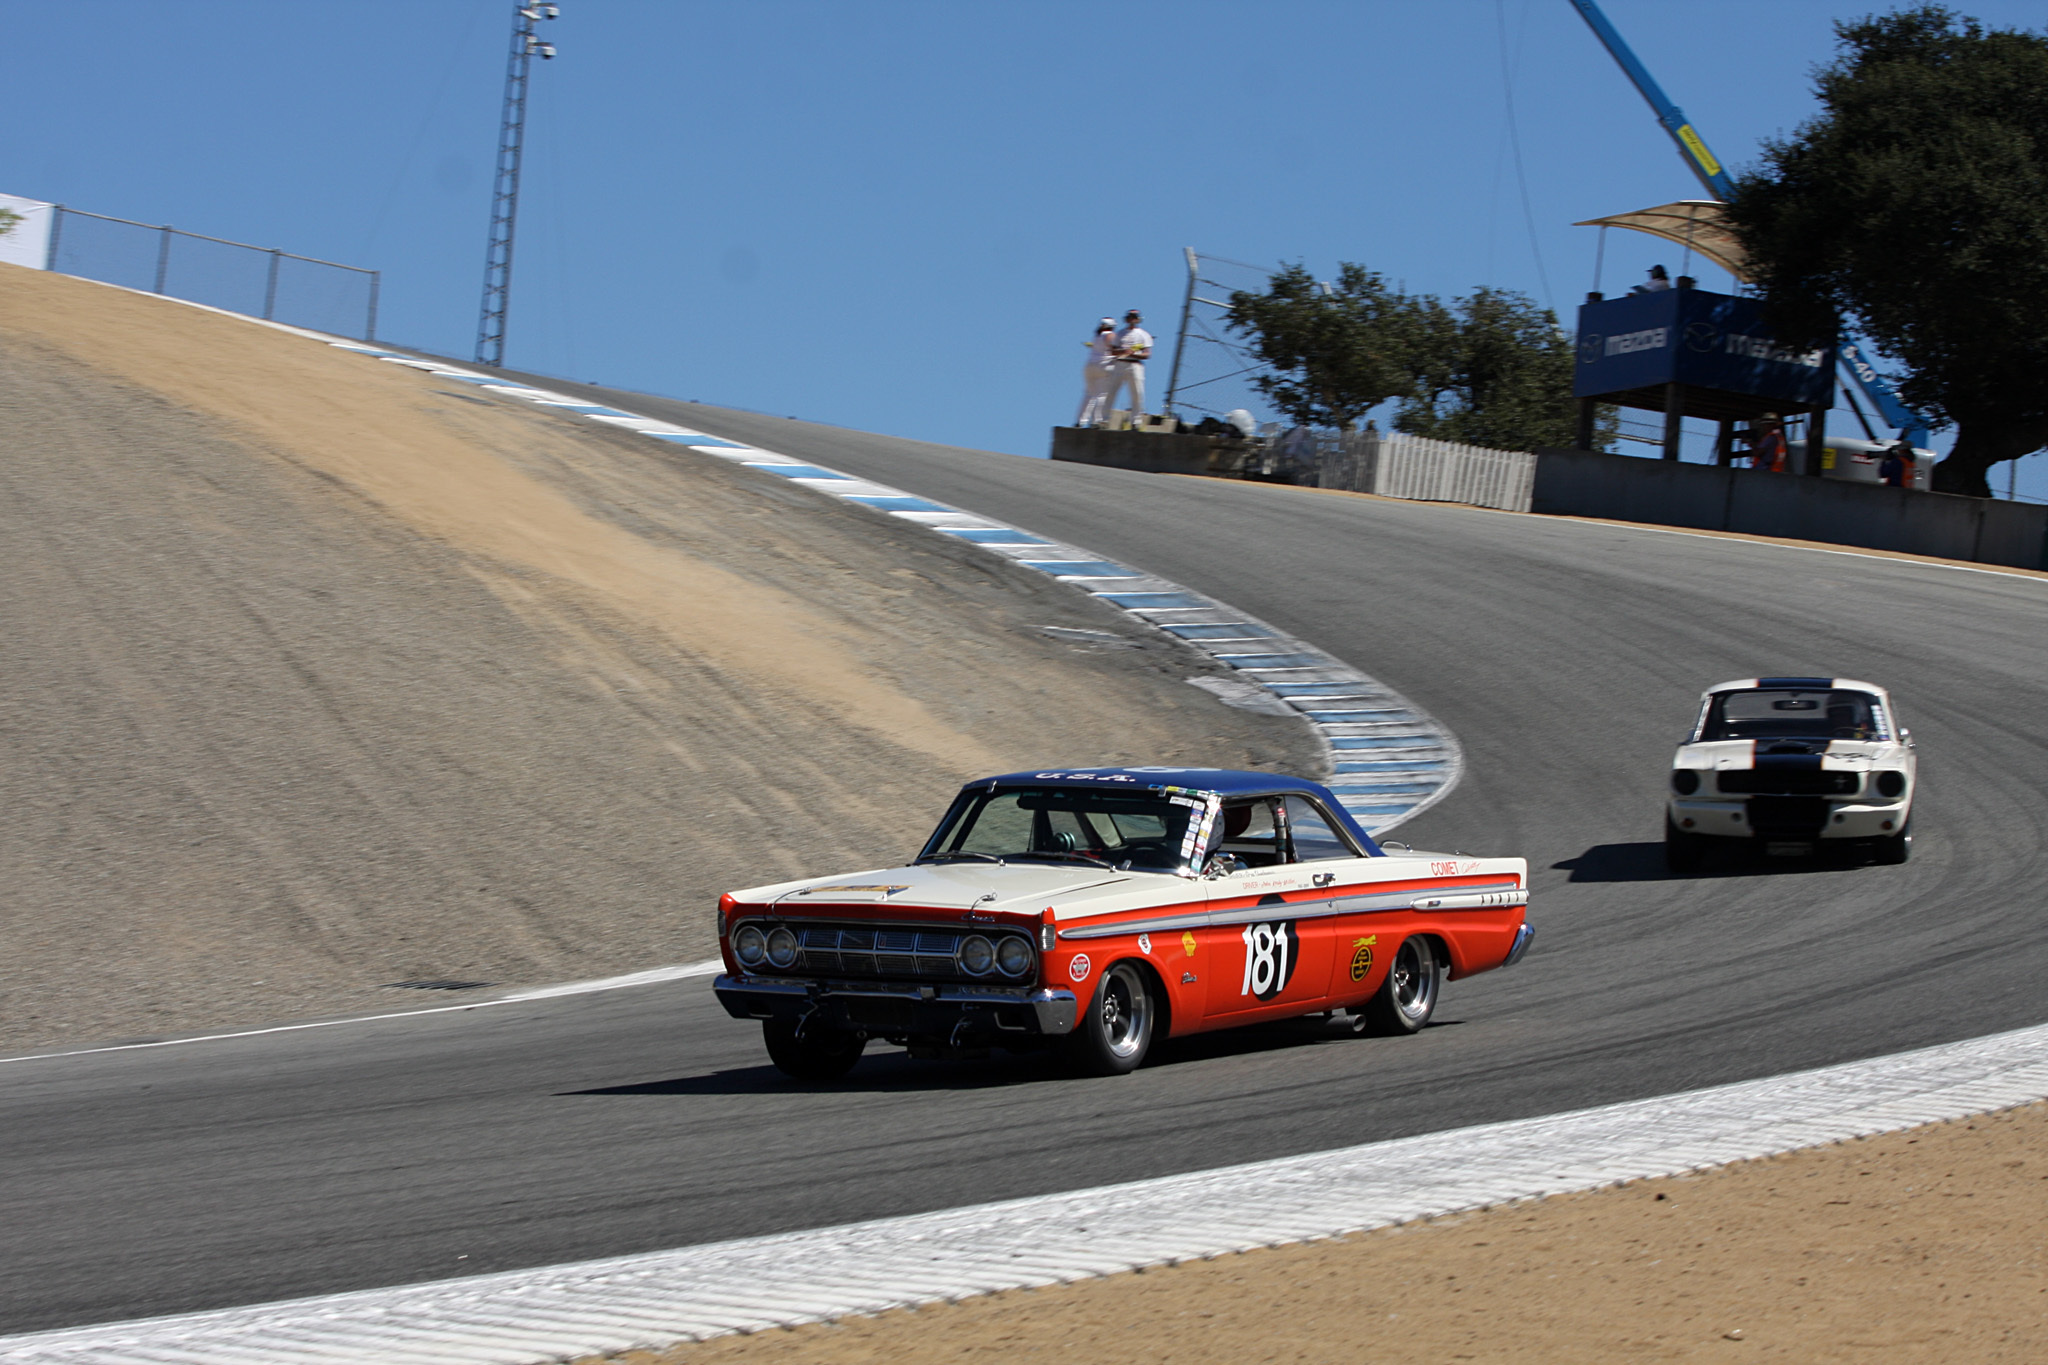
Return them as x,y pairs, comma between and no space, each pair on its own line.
1683,853
1407,998
814,1053
1115,1032
1896,848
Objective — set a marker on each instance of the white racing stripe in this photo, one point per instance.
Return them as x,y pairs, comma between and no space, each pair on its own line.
1361,722
653,1300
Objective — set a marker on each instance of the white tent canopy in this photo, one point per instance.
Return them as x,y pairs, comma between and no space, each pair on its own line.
1699,224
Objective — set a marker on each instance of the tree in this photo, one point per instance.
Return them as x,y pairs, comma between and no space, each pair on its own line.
1491,369
1498,373
1916,205
8,218
1338,351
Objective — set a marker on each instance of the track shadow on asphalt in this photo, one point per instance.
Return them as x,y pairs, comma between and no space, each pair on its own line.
1644,862
896,1072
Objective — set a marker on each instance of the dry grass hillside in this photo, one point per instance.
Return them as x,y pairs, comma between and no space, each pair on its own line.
320,676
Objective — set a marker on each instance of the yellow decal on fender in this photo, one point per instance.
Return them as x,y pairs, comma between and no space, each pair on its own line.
1187,943
1361,956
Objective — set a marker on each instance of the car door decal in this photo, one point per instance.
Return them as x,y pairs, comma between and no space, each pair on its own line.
1271,953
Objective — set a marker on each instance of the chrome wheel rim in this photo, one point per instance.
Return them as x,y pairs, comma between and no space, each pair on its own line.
1414,982
1126,1010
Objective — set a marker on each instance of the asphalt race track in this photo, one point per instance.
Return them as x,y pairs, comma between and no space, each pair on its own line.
1565,656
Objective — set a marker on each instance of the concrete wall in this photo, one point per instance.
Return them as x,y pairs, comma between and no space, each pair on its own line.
1151,452
1709,498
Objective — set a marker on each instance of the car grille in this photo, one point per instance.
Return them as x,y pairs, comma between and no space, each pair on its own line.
878,952
1788,782
1788,817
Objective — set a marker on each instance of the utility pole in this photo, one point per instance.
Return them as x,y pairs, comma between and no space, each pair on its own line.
526,45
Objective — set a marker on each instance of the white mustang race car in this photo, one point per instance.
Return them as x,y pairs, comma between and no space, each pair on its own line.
1792,765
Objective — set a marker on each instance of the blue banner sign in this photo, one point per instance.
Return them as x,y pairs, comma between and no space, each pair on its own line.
1697,338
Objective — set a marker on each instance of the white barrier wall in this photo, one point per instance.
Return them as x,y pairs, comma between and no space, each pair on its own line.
1398,465
28,241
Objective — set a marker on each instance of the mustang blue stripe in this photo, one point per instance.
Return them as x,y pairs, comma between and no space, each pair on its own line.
1806,684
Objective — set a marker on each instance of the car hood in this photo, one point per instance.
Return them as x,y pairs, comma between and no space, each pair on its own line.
945,886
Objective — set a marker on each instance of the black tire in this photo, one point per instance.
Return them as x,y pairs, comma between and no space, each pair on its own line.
1115,1032
1894,849
1408,996
814,1053
1683,853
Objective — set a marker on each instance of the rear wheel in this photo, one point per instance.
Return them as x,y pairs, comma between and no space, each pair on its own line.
811,1050
1683,852
1407,998
1115,1032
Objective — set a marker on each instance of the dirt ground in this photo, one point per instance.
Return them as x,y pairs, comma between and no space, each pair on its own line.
1921,1246
322,675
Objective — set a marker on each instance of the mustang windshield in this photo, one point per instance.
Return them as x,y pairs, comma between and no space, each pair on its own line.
1066,824
1772,713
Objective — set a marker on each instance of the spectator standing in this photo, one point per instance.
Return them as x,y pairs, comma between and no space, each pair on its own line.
1098,376
1896,469
1656,284
1133,349
1767,448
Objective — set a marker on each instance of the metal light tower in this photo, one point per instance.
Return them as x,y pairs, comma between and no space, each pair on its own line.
526,45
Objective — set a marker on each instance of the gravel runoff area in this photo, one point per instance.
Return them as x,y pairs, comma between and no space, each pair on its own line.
324,678
1929,1244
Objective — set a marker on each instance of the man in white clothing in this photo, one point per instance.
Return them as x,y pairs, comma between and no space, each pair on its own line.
1133,348
1097,372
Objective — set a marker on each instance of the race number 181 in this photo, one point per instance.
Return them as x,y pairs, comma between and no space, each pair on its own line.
1269,953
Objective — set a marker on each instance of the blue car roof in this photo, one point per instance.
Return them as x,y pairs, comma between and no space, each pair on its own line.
1222,781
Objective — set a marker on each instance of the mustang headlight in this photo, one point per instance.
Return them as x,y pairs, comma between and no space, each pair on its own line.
781,948
1013,956
750,945
1685,781
977,956
1891,783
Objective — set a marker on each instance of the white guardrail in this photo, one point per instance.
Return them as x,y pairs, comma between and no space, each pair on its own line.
1424,470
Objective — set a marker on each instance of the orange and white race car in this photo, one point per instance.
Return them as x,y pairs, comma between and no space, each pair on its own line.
1097,910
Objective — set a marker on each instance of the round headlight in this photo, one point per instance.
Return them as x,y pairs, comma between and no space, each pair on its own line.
781,948
750,945
977,955
1685,781
1013,956
1891,784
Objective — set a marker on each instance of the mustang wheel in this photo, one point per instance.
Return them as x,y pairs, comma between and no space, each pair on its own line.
1896,848
818,1053
1114,1034
1683,852
1407,998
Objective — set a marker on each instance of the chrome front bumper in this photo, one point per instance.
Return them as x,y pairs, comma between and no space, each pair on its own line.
950,1013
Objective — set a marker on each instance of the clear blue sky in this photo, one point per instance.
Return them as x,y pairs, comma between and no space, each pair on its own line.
900,215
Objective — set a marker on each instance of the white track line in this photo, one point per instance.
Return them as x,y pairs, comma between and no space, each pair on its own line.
609,983
653,1300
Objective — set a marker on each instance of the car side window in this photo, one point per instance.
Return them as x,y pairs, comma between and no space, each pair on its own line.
1312,834
1249,833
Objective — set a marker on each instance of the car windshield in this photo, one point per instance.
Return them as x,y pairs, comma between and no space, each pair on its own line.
1066,824
1793,713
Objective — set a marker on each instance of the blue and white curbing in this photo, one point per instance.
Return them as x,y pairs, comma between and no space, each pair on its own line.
1389,758
693,1293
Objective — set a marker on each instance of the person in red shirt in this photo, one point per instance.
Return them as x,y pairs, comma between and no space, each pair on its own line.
1767,449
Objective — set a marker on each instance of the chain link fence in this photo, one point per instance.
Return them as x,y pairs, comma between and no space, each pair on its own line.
261,282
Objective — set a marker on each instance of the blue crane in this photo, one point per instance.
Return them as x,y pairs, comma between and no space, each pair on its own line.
1913,428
